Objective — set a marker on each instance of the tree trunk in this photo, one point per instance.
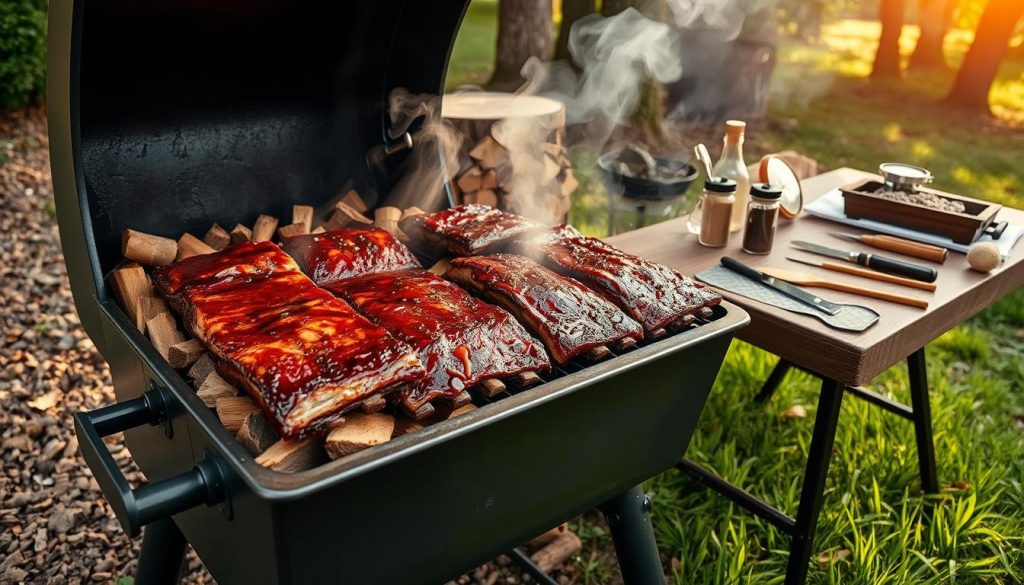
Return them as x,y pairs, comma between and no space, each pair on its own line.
935,18
572,10
649,115
991,40
524,31
887,59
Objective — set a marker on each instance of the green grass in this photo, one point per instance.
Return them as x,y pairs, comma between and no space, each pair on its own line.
875,526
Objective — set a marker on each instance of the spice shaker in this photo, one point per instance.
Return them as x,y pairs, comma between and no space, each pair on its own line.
710,217
762,218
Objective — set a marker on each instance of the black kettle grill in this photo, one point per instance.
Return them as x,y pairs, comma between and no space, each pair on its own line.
168,115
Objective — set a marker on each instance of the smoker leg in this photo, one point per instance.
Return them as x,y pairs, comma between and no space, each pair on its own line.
630,523
162,556
774,379
813,490
922,421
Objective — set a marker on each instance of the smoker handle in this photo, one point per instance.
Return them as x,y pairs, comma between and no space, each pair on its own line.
203,484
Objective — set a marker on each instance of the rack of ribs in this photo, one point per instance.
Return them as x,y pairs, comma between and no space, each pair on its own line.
304,355
460,340
467,230
651,293
570,318
347,252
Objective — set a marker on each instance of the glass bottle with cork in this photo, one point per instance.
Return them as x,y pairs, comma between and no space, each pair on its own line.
731,166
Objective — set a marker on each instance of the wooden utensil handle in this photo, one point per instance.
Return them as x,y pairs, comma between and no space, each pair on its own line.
876,294
879,276
907,247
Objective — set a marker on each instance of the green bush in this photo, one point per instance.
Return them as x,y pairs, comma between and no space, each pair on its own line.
22,51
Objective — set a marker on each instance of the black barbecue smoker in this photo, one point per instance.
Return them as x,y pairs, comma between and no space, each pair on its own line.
169,115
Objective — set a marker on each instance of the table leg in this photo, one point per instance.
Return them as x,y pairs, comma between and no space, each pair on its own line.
629,520
162,555
813,490
920,403
774,380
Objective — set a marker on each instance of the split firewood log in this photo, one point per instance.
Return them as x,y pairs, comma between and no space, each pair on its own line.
264,228
294,229
290,456
232,410
303,214
131,286
163,333
557,551
256,434
359,431
240,234
346,216
147,249
213,388
184,354
217,237
189,245
353,200
201,370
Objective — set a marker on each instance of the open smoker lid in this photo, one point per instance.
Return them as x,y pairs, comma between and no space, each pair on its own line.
167,116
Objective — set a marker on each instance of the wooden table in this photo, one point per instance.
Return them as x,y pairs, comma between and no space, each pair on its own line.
843,360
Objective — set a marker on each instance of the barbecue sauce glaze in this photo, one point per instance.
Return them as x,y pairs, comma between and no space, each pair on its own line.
304,355
468,229
570,318
348,252
653,294
460,340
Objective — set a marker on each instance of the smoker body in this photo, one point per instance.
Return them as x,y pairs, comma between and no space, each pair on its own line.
168,116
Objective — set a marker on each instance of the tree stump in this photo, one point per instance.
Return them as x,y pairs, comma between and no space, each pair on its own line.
513,156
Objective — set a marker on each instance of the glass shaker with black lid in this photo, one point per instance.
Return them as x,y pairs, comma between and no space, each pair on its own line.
762,218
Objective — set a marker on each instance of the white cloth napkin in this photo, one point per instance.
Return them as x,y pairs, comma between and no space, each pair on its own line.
830,206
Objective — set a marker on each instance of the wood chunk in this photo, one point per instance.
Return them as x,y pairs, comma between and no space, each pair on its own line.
569,183
293,229
214,388
440,267
318,230
345,216
358,432
411,211
624,344
189,245
163,332
374,403
131,285
303,214
256,434
456,402
147,249
529,379
487,197
405,425
551,169
462,410
240,234
232,410
263,229
153,306
491,387
423,412
201,370
489,180
549,536
289,456
597,354
488,153
184,354
217,237
386,218
471,180
353,200
557,552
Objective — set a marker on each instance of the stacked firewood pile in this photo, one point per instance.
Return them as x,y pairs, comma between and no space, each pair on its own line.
530,145
237,411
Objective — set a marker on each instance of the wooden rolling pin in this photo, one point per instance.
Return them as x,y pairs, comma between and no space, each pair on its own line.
900,246
804,279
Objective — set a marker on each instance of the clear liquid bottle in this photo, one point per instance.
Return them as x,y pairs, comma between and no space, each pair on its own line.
731,166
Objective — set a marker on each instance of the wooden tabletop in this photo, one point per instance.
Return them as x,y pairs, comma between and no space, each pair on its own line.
850,358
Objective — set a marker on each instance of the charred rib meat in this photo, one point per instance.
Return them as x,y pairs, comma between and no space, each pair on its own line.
467,230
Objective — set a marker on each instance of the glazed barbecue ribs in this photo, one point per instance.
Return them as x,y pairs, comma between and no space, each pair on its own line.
304,355
467,230
460,340
652,294
348,252
568,317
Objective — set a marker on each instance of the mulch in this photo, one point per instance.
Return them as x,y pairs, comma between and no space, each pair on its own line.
55,525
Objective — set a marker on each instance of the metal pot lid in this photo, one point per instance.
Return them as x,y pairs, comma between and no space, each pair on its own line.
778,173
904,173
